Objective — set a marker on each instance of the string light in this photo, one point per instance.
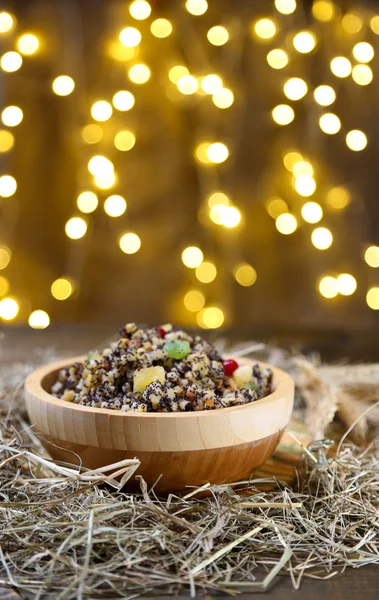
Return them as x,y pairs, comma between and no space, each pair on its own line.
340,66
323,10
206,272
218,198
140,10
8,186
11,61
218,35
372,256
76,228
61,288
362,74
338,198
283,114
324,95
302,168
176,72
92,133
347,284
286,7
4,286
6,140
197,7
130,37
265,29
351,23
305,185
210,318
372,298
311,212
223,98
304,42
363,52
6,22
328,287
211,83
192,257
139,73
329,123
124,140
9,309
356,140
322,238
104,181
290,159
374,24
187,84
295,88
245,274
217,152
87,202
100,165
276,206
39,319
194,300
115,206
277,58
286,223
63,85
5,257
130,243
28,44
161,28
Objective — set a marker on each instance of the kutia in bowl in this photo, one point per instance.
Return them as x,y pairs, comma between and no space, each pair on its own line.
168,398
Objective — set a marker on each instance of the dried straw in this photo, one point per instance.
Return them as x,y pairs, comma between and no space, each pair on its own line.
68,535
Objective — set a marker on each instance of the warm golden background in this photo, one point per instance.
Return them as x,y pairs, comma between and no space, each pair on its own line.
183,103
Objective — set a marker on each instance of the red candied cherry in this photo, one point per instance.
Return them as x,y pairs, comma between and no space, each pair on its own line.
161,332
230,366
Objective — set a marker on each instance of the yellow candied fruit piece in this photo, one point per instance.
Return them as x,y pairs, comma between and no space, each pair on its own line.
243,375
144,377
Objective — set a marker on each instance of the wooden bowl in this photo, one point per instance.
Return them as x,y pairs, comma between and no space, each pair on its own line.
188,449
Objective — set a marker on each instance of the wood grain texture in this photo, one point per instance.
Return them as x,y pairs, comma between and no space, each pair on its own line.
186,448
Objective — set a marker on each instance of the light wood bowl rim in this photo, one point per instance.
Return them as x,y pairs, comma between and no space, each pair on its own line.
33,385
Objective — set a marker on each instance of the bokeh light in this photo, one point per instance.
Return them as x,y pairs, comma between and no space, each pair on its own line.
277,58
194,300
100,165
11,61
92,133
286,7
4,286
130,37
223,98
6,140
283,114
330,123
295,88
9,309
347,284
12,116
76,228
130,243
124,140
39,319
28,44
8,186
276,206
356,140
218,198
305,185
61,288
372,298
161,28
322,238
340,66
245,274
115,206
374,24
139,73
63,85
324,95
192,257
197,7
187,85
323,10
140,10
7,22
352,23
363,52
302,167
87,202
5,257
304,42
286,223
372,256
101,110
206,272
311,212
217,152
210,318
362,74
265,29
176,72
105,181
211,83
328,287
338,198
290,159
123,100
218,35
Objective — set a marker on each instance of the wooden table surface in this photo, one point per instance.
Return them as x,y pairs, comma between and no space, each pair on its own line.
26,345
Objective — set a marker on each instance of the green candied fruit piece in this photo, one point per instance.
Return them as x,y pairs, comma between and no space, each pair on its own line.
177,349
250,385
